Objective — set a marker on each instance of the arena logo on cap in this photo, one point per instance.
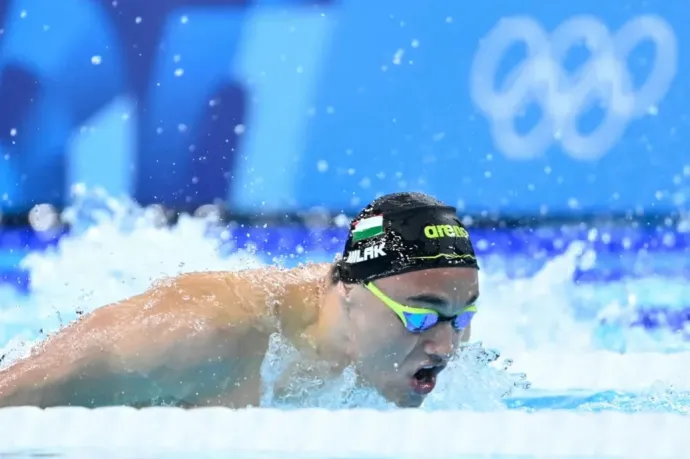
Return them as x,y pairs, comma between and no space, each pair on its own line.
437,231
367,228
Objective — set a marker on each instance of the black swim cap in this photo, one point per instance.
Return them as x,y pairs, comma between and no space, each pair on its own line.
404,232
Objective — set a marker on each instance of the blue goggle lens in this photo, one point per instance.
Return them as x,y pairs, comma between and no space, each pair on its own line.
462,320
417,323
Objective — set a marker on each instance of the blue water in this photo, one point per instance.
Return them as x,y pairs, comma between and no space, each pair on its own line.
586,319
586,294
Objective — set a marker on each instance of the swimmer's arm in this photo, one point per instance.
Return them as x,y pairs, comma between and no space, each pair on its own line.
116,354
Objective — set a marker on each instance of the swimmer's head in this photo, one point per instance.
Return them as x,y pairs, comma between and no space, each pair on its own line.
408,283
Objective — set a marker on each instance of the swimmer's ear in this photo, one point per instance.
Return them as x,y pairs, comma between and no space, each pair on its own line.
345,291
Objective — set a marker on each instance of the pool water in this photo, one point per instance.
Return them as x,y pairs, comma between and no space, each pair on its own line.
572,320
272,433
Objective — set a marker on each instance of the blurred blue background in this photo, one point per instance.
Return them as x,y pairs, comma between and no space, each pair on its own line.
281,106
531,111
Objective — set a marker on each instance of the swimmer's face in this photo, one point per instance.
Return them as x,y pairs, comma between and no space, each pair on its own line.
389,356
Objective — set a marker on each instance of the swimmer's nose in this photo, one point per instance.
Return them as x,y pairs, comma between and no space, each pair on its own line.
441,340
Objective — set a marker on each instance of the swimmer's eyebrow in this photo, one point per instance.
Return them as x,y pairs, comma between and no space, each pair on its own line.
430,299
438,301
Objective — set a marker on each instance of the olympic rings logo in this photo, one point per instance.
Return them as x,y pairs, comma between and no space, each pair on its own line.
563,97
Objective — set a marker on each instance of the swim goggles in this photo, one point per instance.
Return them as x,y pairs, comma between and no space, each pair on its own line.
418,320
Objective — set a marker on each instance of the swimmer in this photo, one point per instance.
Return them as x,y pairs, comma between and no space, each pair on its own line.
394,308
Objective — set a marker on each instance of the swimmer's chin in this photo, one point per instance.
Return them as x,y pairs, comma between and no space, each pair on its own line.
410,400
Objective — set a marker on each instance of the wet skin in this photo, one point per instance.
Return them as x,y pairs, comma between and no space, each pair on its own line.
199,339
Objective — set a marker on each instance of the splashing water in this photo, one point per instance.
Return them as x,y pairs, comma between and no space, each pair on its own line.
116,249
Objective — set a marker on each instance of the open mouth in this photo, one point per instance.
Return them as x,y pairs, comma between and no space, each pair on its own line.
424,379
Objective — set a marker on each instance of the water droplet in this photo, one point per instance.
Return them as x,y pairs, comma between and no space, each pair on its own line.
397,57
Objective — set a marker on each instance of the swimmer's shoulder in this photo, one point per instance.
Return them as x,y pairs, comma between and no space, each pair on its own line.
258,296
295,295
228,298
275,283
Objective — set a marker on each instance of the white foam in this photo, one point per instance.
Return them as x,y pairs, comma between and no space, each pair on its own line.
604,370
350,433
